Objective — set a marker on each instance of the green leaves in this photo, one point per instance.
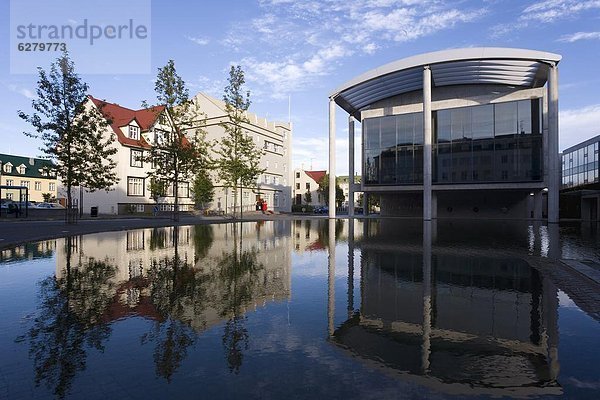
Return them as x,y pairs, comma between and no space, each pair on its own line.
183,151
238,161
73,131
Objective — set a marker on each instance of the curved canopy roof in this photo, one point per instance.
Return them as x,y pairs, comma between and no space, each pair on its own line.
483,65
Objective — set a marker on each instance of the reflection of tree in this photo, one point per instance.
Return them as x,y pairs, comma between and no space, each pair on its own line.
158,238
203,239
70,319
238,274
179,295
323,231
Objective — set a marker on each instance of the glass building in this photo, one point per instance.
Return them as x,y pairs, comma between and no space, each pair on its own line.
580,164
461,132
488,143
580,189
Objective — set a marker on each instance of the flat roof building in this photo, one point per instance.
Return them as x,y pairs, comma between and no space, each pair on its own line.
580,189
463,132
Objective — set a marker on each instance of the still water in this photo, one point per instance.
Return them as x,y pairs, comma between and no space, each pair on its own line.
301,309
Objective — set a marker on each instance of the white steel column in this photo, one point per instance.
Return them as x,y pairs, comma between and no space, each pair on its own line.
331,279
553,157
351,166
427,136
331,158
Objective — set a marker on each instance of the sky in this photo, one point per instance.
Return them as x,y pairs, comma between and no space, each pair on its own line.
295,53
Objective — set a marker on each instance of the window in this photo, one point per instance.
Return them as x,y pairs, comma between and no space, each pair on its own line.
266,178
159,136
307,185
8,168
135,158
297,175
21,169
38,185
135,186
297,186
9,196
25,183
10,182
275,200
183,189
51,186
135,240
134,132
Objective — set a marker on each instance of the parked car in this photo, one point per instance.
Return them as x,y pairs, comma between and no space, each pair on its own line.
49,206
5,202
322,210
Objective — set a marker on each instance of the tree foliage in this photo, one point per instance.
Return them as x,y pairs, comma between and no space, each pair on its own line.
179,147
324,190
238,162
203,189
72,130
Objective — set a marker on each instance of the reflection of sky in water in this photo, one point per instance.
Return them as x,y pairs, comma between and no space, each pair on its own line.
228,321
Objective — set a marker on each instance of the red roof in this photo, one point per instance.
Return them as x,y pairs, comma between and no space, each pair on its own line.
120,116
316,175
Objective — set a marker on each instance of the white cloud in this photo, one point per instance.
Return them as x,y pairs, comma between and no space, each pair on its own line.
22,91
573,37
546,11
577,125
198,40
315,152
552,10
308,39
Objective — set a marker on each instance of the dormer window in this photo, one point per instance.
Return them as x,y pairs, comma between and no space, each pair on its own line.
8,168
159,136
134,132
21,169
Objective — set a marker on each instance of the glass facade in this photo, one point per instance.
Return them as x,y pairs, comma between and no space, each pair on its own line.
488,143
580,165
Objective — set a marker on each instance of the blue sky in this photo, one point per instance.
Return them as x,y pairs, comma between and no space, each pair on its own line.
303,50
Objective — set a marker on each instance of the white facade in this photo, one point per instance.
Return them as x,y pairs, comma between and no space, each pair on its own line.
307,182
135,131
274,138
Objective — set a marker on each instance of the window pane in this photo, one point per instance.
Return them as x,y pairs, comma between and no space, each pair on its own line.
524,114
461,123
443,119
388,131
506,119
371,132
482,122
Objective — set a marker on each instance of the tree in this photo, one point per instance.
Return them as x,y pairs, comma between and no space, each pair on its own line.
324,190
73,133
203,189
181,149
239,158
308,197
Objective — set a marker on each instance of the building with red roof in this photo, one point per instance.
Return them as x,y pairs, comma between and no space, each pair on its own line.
306,187
136,130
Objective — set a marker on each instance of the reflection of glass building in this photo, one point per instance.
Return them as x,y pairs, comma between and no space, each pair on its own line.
468,324
581,180
484,148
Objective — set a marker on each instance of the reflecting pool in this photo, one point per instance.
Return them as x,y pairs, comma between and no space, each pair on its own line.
387,308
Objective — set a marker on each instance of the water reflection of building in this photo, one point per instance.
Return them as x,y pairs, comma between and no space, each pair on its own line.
457,323
28,251
145,274
312,234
